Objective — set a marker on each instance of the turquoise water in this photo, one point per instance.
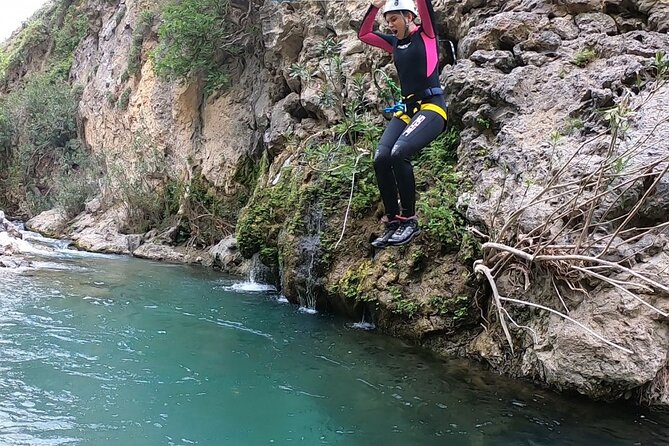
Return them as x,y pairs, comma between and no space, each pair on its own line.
106,350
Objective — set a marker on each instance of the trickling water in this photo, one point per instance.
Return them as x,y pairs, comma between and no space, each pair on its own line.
256,278
363,325
110,350
310,245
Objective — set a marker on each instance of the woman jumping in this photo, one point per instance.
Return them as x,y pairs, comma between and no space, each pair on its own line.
423,118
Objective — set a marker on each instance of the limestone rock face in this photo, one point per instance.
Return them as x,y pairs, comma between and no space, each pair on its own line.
226,256
154,251
101,233
51,223
533,82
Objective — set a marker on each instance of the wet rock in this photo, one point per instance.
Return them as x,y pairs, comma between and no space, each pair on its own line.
8,226
14,262
51,223
154,251
100,233
502,60
595,23
226,255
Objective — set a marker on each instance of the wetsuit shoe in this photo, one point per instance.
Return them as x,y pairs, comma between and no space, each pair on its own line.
382,241
407,231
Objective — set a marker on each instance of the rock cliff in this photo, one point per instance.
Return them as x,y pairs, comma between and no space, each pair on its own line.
556,154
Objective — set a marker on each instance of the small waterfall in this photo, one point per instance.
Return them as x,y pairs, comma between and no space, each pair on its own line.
257,277
309,246
364,325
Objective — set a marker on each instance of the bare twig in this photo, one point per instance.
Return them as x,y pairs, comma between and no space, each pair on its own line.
480,268
589,259
618,286
564,316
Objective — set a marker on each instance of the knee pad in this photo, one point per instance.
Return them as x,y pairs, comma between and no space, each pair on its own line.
398,152
382,158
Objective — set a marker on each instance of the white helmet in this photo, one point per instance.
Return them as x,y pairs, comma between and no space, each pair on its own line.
400,5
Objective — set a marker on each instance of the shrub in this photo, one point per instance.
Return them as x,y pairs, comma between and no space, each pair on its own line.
38,141
195,38
584,56
439,182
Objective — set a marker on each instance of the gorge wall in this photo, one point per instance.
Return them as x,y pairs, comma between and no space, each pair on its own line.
556,147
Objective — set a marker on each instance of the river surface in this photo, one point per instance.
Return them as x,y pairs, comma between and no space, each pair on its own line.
111,350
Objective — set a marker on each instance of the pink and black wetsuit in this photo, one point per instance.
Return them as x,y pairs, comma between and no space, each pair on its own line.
416,59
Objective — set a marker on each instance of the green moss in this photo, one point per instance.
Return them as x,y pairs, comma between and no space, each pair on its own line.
351,284
268,211
584,56
456,307
439,183
402,305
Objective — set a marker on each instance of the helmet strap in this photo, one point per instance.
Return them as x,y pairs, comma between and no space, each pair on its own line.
406,26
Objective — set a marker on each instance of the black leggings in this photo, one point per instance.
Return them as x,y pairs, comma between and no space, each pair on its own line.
392,162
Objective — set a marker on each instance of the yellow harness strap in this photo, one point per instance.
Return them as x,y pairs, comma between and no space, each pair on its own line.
432,107
435,108
403,116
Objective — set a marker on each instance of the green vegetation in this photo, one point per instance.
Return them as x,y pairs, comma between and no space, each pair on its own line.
484,122
195,39
351,285
43,162
124,100
140,33
660,64
570,125
439,182
456,307
584,56
55,32
401,305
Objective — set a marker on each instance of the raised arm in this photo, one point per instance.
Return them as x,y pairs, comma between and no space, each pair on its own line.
371,37
426,14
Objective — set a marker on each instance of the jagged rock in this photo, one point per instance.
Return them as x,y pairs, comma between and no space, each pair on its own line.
101,233
282,122
10,245
502,60
572,359
226,255
51,223
153,251
14,262
564,27
658,14
8,226
595,23
579,6
501,31
93,206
